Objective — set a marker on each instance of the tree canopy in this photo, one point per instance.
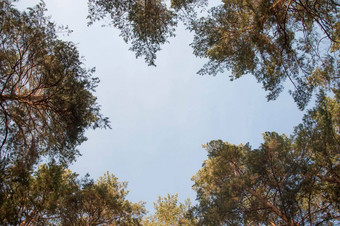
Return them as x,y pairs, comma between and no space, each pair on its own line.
146,24
168,211
53,195
286,181
47,103
46,96
274,40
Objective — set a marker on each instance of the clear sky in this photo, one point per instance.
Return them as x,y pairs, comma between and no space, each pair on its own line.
160,116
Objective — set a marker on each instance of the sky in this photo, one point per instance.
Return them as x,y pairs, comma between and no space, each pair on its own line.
160,116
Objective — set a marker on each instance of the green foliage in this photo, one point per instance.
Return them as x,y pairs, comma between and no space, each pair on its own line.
35,198
274,40
47,103
104,202
289,181
54,195
46,99
147,24
170,212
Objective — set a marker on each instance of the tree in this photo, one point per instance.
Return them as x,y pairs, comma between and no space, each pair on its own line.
147,24
55,195
104,202
319,138
35,198
46,94
289,181
170,212
274,40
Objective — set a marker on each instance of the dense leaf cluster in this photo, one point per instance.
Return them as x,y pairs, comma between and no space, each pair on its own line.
46,95
56,196
286,181
274,41
168,211
146,24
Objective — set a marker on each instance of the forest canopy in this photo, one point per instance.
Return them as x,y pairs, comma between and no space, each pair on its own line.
47,103
47,99
286,181
274,40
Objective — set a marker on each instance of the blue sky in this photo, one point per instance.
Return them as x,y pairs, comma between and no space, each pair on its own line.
160,116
